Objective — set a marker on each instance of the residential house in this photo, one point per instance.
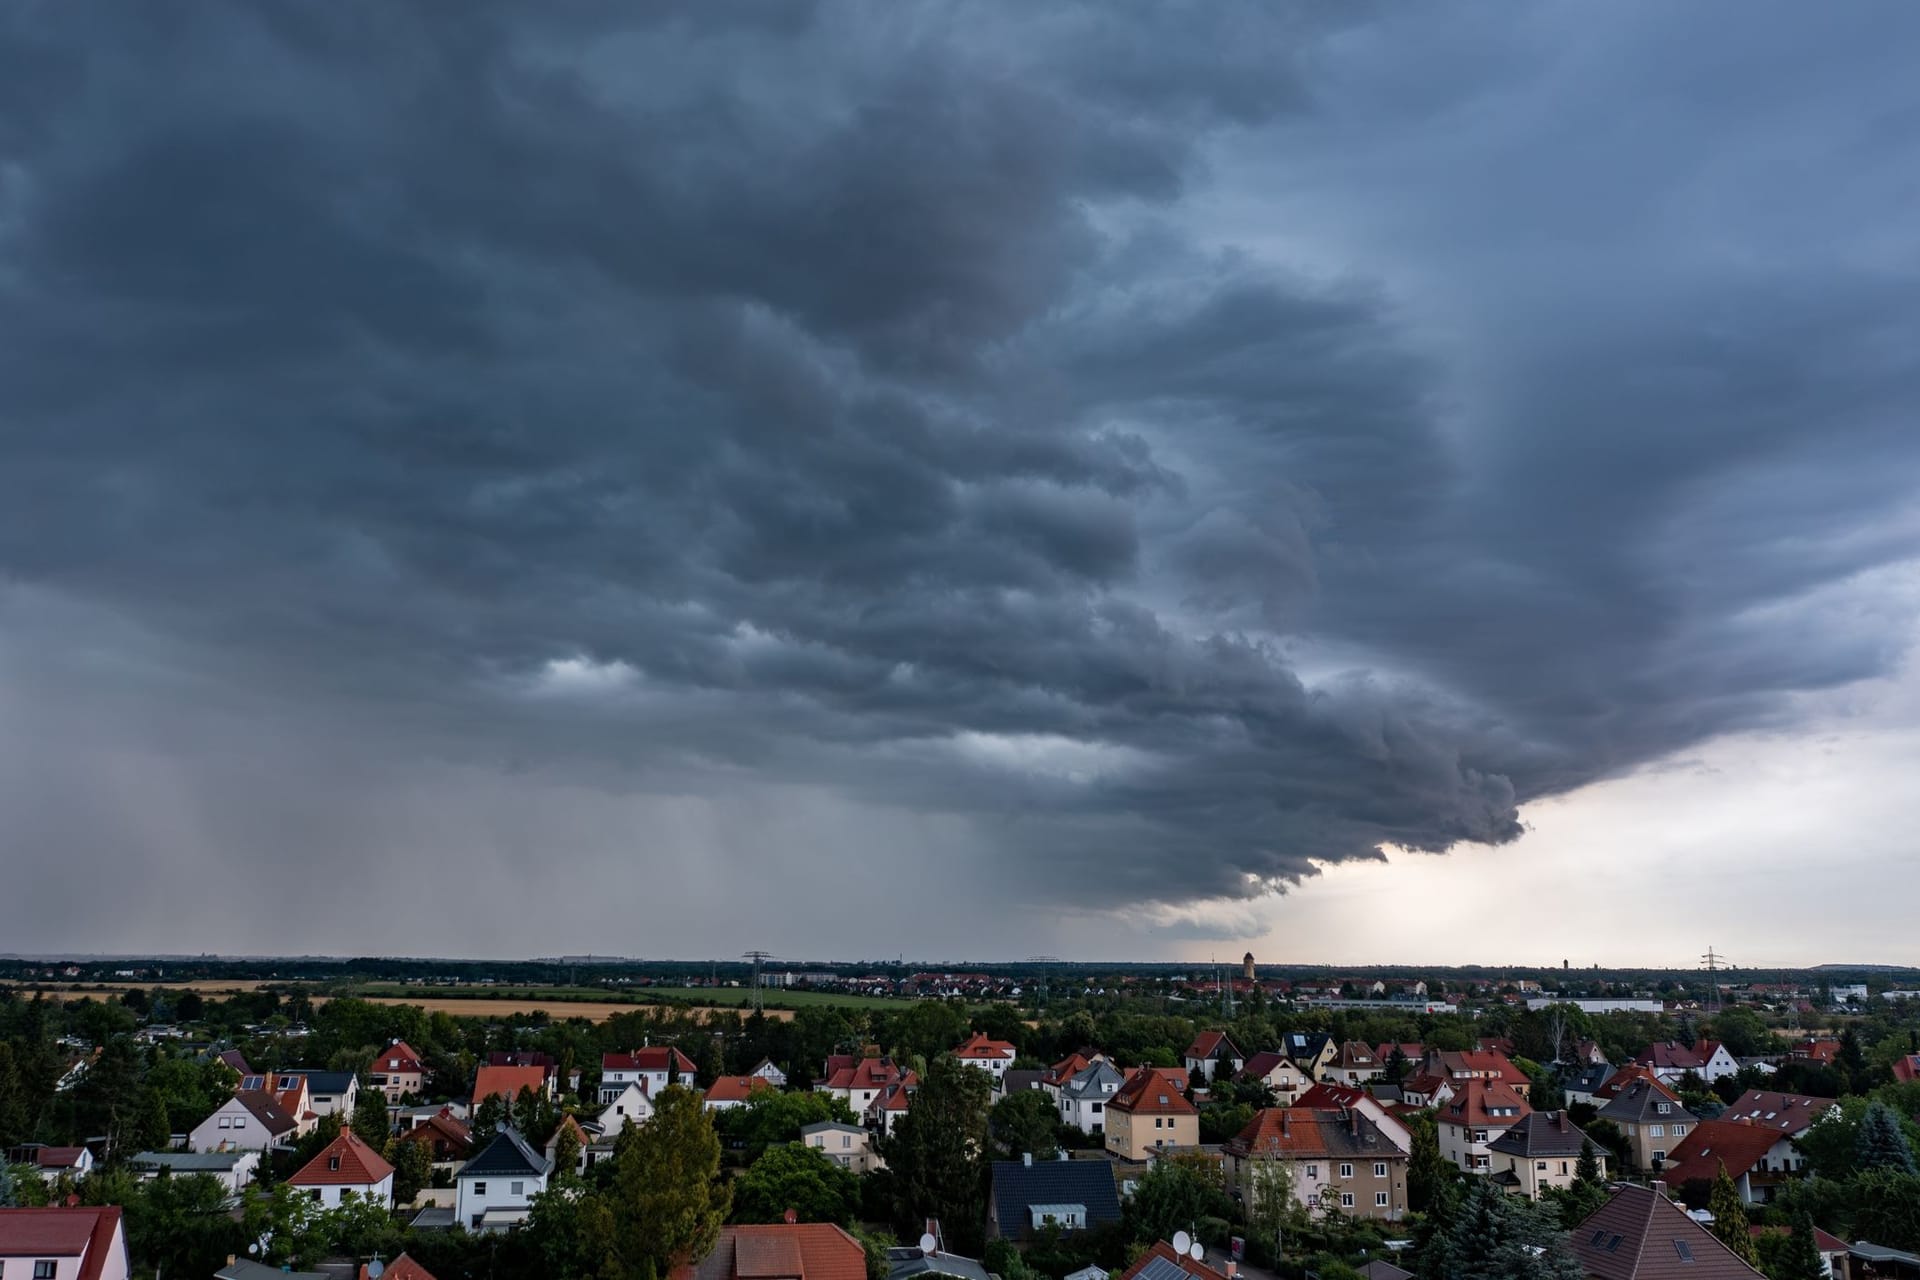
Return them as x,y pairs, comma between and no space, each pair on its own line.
1757,1158
1588,1053
591,1148
1824,1051
347,1165
1162,1261
780,1251
1279,1073
1834,1252
1669,1061
911,1262
1582,1081
729,1092
251,1120
770,1073
1411,1052
1020,1080
328,1092
1213,1053
848,1145
1330,1160
1542,1151
397,1071
1057,1075
1479,1111
652,1067
1716,1060
1150,1109
506,1082
292,1093
401,1268
1789,1113
1083,1100
1641,1235
1906,1067
990,1055
1311,1051
236,1060
630,1106
534,1058
1336,1097
1652,1118
890,1104
494,1189
857,1082
63,1244
447,1139
1475,1064
1354,1063
233,1170
1427,1089
1029,1195
53,1162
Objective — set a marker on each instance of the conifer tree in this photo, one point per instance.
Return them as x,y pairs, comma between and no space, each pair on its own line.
1730,1217
1881,1143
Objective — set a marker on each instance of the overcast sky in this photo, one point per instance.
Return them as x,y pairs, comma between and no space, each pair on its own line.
961,480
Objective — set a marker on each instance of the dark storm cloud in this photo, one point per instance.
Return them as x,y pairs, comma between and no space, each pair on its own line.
852,398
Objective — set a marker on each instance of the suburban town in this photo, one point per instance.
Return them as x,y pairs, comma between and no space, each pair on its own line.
755,1121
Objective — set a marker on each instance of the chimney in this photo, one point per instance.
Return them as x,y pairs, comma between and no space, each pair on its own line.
1026,1158
790,1217
1063,1154
1660,1188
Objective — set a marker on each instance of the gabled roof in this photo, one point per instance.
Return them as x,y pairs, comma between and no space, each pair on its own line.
398,1056
780,1251
1262,1064
738,1088
867,1073
1480,1063
1411,1050
507,1082
1642,1235
979,1047
1479,1102
1906,1067
1699,1155
442,1126
1154,1091
1588,1079
1305,1046
1542,1135
235,1059
507,1154
1160,1262
1354,1056
1024,1078
328,1082
1671,1056
1092,1082
344,1162
58,1157
1018,1185
651,1058
1066,1069
1789,1113
401,1268
86,1234
266,1108
1301,1133
1209,1044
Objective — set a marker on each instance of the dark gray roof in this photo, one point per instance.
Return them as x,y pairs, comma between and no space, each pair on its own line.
1092,1081
905,1263
1640,1103
247,1269
1018,1185
1541,1135
1588,1078
327,1082
1381,1269
191,1161
1024,1078
507,1154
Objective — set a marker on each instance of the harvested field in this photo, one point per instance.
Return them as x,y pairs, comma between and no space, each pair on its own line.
490,1007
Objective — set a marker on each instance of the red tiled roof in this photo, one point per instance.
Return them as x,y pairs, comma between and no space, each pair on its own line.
1262,1064
507,1082
1906,1067
397,1057
1207,1043
1699,1155
979,1046
1475,1101
62,1233
344,1162
1788,1113
1669,1056
1823,1241
401,1268
58,1157
1411,1050
652,1058
1328,1096
737,1088
868,1073
1154,1091
268,1110
1489,1064
1618,1082
780,1251
1065,1069
1825,1052
1164,1251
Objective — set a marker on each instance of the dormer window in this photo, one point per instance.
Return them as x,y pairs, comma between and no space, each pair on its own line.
333,1164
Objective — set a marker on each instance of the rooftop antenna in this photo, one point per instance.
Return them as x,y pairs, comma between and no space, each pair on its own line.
758,958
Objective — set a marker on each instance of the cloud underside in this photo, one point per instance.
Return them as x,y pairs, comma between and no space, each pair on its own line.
880,403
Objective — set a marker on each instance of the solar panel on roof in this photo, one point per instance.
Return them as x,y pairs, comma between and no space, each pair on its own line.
1159,1268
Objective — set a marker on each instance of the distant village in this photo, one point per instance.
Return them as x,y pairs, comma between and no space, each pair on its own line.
1038,1122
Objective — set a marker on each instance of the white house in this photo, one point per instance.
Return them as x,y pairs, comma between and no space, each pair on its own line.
63,1244
233,1170
1083,1099
630,1106
251,1120
649,1067
328,1092
51,1162
493,1191
346,1165
848,1145
770,1073
991,1056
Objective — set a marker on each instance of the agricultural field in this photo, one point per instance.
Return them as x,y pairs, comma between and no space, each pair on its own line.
493,1006
560,999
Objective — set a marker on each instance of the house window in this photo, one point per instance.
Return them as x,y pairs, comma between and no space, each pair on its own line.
1659,1157
1346,1171
1679,1131
333,1164
1380,1169
226,1122
1379,1199
44,1270
1094,1106
1563,1168
846,1140
479,1188
1663,1108
518,1188
1313,1173
239,1122
1346,1199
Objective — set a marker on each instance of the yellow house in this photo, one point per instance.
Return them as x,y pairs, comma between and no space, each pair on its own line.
1151,1110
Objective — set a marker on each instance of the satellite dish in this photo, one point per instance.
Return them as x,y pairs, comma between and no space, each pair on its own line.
1199,1252
1182,1242
253,1248
375,1268
928,1244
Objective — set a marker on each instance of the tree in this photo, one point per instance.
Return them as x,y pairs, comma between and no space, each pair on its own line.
1730,1217
667,1199
412,1170
370,1120
1583,1198
1173,1195
1025,1123
1881,1143
1396,1066
770,1117
1495,1236
566,1151
1799,1258
492,1112
1272,1207
810,1182
936,1154
1430,1176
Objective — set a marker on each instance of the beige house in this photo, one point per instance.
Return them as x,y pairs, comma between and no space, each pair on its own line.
1542,1151
1652,1118
1279,1073
1330,1161
398,1072
848,1145
1151,1110
1479,1111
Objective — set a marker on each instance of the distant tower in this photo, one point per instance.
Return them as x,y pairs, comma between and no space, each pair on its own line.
1246,967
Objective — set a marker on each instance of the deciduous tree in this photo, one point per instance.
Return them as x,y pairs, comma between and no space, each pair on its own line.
667,1199
796,1177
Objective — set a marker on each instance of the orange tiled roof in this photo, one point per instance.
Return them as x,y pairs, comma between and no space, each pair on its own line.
1154,1091
737,1088
401,1268
344,1162
978,1045
1483,1102
507,1082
